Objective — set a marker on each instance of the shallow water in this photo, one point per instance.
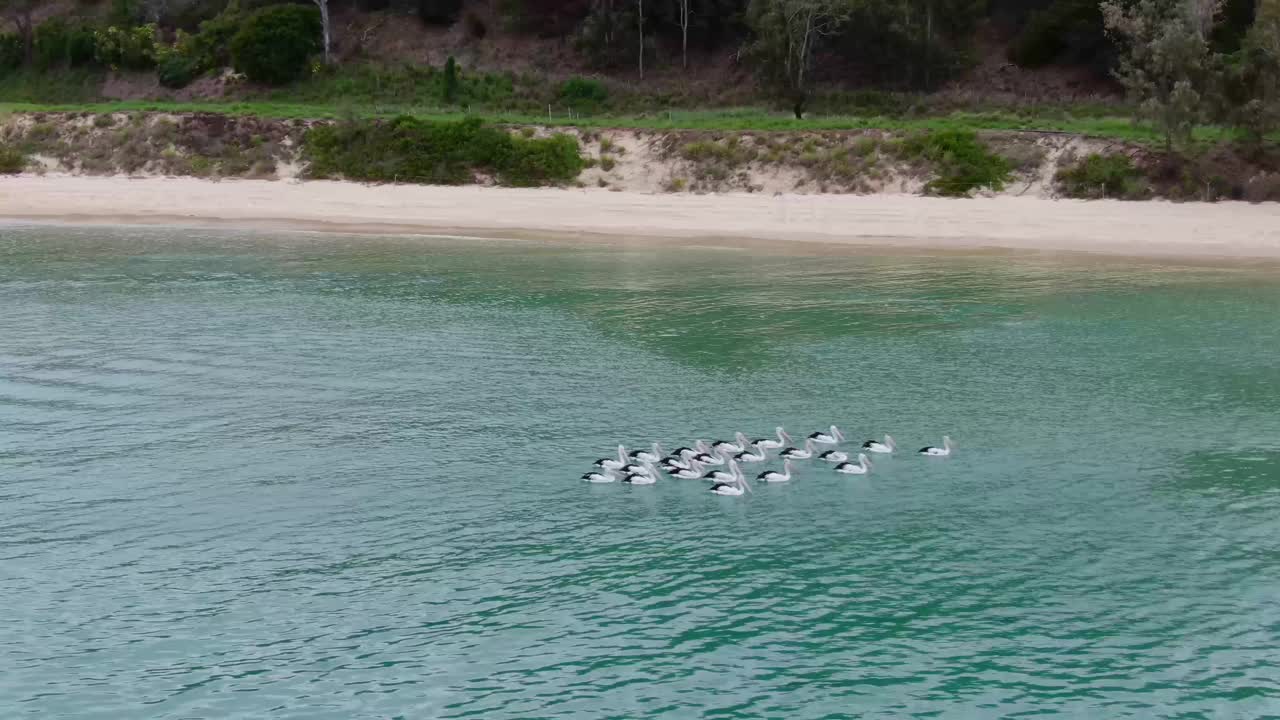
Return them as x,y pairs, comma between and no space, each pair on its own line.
245,476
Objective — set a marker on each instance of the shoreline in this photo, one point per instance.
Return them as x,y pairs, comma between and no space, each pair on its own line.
1227,230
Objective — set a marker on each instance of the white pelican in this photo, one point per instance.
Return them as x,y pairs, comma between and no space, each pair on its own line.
859,468
753,454
683,453
636,468
725,446
672,462
597,477
692,473
721,476
943,451
706,457
640,479
834,456
876,446
610,463
830,436
797,454
770,443
646,455
775,476
737,487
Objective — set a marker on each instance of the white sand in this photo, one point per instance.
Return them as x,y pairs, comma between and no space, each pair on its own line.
1235,230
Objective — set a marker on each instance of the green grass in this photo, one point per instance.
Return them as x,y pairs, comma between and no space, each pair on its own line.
717,120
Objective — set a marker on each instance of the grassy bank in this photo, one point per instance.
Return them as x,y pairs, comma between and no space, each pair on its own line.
740,119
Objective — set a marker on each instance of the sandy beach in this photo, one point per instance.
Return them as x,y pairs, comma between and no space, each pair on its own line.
1226,230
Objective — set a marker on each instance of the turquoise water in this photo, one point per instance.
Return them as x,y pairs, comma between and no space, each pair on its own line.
245,476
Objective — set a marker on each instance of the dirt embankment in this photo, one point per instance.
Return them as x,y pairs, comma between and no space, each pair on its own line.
829,162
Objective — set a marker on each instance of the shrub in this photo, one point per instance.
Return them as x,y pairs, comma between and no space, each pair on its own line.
129,49
80,46
439,152
1102,176
584,93
274,44
12,161
439,12
10,51
176,70
960,163
50,40
449,90
211,46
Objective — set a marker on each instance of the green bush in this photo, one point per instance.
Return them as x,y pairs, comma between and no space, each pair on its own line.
128,49
176,70
1102,176
584,93
10,51
275,43
50,40
81,46
438,152
210,48
12,161
960,163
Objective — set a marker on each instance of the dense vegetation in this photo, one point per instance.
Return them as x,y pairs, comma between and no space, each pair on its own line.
411,150
1191,72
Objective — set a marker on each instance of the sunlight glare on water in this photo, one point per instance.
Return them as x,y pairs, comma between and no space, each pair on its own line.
254,476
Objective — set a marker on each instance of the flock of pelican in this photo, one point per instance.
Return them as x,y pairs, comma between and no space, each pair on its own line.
723,457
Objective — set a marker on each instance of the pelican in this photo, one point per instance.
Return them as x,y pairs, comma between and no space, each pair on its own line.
797,454
876,446
705,456
646,455
683,452
830,436
943,451
834,456
640,479
726,446
735,488
753,454
722,476
610,463
859,468
774,476
691,473
672,462
635,468
596,477
770,443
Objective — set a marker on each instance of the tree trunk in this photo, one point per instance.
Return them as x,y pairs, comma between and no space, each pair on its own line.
684,33
640,26
324,26
928,42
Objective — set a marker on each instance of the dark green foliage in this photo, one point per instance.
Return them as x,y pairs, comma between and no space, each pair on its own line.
80,46
275,43
958,161
445,153
10,51
130,49
439,12
176,70
211,47
12,161
125,13
1066,31
450,89
51,39
1102,176
584,93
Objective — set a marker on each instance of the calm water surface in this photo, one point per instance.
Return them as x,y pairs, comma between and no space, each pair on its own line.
245,476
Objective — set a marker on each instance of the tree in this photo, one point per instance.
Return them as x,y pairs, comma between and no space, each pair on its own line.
786,33
19,13
1252,77
684,33
640,31
1165,65
274,44
323,6
451,80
